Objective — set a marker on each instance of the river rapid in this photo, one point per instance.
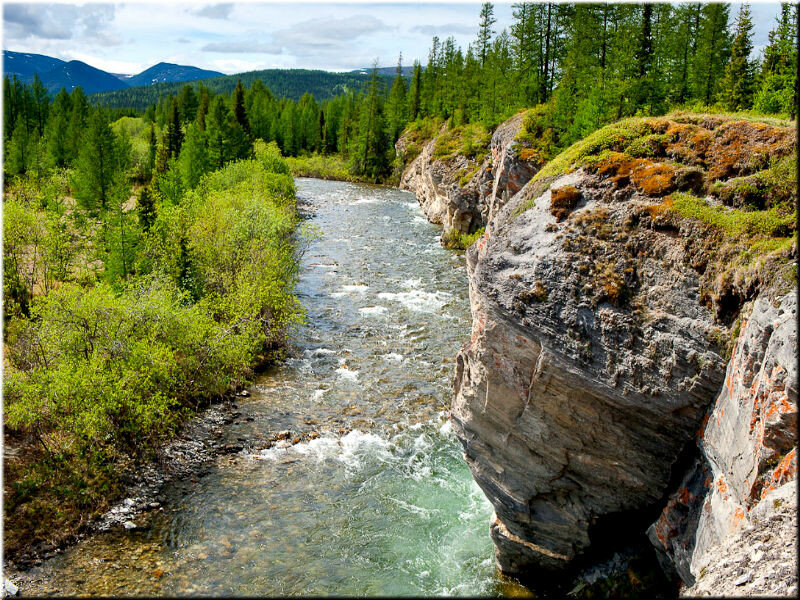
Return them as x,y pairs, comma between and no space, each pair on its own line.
382,502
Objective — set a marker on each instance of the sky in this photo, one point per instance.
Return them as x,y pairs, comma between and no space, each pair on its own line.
244,36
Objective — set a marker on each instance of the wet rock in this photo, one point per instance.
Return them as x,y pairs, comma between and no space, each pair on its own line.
130,525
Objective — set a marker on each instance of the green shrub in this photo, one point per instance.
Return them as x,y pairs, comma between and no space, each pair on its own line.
455,240
269,155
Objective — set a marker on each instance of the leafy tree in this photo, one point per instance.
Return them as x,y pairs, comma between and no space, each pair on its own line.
194,160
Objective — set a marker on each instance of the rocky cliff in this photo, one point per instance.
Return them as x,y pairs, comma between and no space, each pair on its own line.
746,470
606,296
455,186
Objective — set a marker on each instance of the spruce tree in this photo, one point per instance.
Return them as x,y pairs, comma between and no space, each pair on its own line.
372,142
174,132
146,207
414,96
485,30
738,82
396,104
97,165
239,112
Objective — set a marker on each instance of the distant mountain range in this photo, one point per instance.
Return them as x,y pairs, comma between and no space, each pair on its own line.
56,73
116,90
283,83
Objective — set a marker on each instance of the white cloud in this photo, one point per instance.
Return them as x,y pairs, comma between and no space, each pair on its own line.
215,11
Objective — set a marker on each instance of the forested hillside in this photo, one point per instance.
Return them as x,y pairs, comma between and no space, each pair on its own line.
284,83
150,249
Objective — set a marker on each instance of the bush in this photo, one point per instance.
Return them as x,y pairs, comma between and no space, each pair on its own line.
269,155
455,240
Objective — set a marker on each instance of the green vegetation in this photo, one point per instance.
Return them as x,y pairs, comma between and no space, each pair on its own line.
455,240
140,283
321,166
465,140
737,223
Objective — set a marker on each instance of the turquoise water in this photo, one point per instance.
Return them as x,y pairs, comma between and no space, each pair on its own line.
381,503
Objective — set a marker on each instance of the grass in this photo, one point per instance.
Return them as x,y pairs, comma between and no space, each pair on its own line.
455,240
465,140
767,223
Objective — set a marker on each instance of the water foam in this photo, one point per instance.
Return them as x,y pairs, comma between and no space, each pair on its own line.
372,310
348,374
418,300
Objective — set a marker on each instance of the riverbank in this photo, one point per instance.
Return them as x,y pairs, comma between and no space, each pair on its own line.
118,369
374,498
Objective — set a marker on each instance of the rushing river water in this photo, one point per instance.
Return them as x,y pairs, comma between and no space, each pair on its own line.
382,502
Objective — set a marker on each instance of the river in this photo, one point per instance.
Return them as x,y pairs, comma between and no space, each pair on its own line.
382,503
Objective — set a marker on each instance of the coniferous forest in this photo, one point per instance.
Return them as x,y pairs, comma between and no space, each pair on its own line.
145,274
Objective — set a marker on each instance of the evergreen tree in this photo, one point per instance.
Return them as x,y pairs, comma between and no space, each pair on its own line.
174,132
485,30
146,207
17,152
216,133
188,104
122,236
194,160
98,164
371,144
713,49
778,78
415,92
396,103
41,103
239,112
737,85
77,122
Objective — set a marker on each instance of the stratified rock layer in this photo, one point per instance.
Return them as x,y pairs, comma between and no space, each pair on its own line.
440,187
749,449
579,387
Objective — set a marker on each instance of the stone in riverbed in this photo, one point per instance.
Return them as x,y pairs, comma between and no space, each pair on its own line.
9,588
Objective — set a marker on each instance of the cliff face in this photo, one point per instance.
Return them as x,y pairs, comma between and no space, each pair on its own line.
456,191
749,455
572,400
603,298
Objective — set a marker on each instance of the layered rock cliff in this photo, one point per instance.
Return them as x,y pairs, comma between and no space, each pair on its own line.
455,188
747,467
605,297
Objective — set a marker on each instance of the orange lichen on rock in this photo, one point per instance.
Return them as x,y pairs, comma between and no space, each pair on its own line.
741,148
737,518
654,179
785,472
563,200
531,155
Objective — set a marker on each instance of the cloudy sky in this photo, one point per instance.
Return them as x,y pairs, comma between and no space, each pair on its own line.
243,36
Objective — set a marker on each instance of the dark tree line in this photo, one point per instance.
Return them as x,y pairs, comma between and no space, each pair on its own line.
584,65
